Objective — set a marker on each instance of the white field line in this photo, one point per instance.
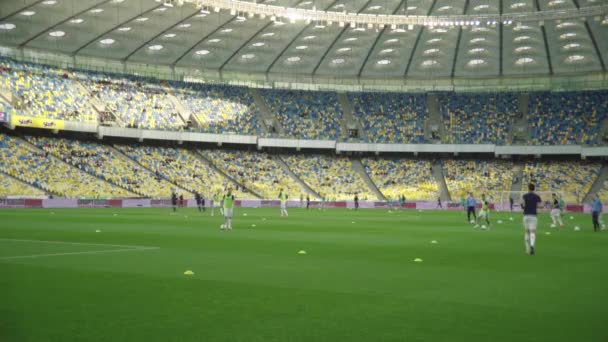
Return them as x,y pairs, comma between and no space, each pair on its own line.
75,243
124,248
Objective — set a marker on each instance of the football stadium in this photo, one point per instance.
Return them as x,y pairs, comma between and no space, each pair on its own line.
303,170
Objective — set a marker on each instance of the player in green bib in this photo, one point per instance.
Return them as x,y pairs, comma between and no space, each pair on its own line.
484,212
283,197
217,203
228,206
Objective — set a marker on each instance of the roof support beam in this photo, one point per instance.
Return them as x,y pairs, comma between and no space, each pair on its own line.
338,37
295,39
221,26
159,34
248,41
21,9
418,37
369,52
63,22
114,28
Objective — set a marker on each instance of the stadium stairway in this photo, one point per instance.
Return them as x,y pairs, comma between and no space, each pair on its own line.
268,119
183,113
279,161
348,119
435,122
518,175
204,159
520,132
360,169
444,193
123,155
598,184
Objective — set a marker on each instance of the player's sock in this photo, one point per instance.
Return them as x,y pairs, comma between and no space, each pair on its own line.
532,239
527,242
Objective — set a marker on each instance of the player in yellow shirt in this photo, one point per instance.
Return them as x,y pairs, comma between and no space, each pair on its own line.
484,213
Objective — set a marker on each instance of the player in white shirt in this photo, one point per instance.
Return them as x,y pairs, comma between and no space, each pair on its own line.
556,212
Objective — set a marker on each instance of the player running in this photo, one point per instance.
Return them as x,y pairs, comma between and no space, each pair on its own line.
197,197
596,211
530,205
556,212
217,199
174,201
484,213
471,203
228,206
283,196
356,201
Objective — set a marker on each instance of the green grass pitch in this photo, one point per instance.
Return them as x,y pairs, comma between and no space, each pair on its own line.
61,280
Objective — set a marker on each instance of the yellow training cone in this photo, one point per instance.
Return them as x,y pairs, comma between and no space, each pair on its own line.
302,252
188,272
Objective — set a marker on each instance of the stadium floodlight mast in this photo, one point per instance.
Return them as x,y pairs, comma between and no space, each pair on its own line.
382,20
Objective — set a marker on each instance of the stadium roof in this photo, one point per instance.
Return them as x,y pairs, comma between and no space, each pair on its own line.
150,32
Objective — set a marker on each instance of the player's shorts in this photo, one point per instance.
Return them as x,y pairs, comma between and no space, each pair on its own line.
484,213
283,205
530,222
216,204
555,212
228,212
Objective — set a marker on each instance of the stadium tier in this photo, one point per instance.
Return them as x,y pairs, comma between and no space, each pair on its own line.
390,117
181,167
562,118
220,109
10,186
478,176
478,119
572,179
106,163
333,178
306,115
137,104
256,171
46,92
567,118
402,177
36,167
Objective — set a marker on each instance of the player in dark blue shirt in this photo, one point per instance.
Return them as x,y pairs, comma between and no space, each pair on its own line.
531,201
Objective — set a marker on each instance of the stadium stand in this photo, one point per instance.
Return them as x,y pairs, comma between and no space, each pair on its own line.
306,115
571,178
257,171
181,167
33,166
402,177
220,109
137,103
567,118
103,162
46,92
331,177
391,118
9,186
479,176
479,118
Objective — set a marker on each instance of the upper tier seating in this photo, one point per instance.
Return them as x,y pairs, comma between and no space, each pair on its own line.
478,119
306,115
391,117
220,109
